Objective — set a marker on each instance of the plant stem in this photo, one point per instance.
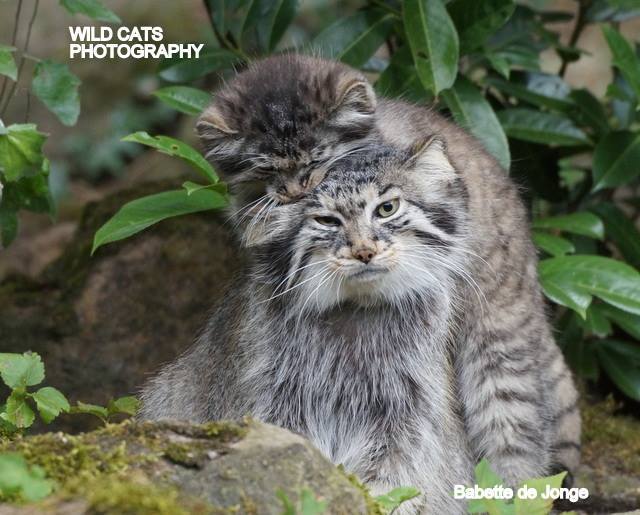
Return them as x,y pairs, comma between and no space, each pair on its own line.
13,44
22,59
581,22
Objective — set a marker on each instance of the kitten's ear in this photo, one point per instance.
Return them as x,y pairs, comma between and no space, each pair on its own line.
212,125
356,102
431,154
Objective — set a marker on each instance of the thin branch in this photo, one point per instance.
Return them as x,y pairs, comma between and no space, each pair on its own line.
14,37
581,22
22,57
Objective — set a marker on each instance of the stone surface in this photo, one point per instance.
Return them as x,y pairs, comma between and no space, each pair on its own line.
174,468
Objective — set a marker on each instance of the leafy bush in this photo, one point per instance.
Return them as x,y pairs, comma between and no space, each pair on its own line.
479,62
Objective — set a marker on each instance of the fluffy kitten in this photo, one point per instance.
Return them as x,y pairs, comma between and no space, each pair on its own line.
279,124
516,393
341,328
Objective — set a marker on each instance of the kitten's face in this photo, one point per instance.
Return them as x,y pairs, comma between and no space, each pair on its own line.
383,226
275,128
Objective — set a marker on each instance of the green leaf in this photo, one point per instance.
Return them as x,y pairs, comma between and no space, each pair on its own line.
539,505
354,39
552,244
20,150
624,58
94,9
541,90
615,160
393,499
582,222
486,478
184,99
7,64
589,111
141,213
17,478
50,403
572,280
472,111
539,127
579,352
626,321
174,147
191,187
179,69
8,225
57,88
91,409
21,370
433,41
596,322
127,405
18,411
621,361
280,17
621,230
476,20
399,78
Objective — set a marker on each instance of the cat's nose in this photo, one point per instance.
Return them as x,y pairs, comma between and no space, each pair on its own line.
364,255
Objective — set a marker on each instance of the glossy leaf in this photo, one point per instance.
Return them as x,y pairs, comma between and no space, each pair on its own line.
624,58
553,97
354,39
615,160
50,403
485,477
589,110
476,20
57,88
472,111
7,64
582,222
94,9
573,280
629,323
20,150
399,78
579,353
177,69
621,361
184,99
174,147
21,370
597,323
540,127
280,17
552,244
621,230
141,213
433,41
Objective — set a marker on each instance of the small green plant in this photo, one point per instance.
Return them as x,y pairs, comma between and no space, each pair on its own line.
309,504
22,371
487,478
21,482
392,500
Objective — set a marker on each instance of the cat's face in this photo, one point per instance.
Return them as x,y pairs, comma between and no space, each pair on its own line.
274,129
384,225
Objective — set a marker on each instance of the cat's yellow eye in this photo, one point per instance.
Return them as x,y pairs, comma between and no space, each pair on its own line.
329,221
388,208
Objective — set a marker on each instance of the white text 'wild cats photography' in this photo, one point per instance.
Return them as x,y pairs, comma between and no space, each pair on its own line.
317,257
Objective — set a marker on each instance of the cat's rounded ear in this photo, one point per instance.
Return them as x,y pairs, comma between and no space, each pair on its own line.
216,135
356,102
430,153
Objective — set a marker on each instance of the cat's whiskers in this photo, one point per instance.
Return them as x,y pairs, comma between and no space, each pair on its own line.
297,285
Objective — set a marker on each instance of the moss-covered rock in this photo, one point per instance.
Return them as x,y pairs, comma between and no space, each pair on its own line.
176,468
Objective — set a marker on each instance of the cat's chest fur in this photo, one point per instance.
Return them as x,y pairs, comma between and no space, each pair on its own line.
351,380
